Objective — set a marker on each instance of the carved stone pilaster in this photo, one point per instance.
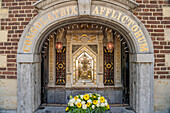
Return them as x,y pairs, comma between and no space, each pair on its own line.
51,61
68,58
100,74
117,63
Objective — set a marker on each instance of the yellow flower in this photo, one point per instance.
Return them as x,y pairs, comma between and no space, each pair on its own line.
86,97
88,104
79,105
76,97
95,102
94,96
67,108
108,107
102,99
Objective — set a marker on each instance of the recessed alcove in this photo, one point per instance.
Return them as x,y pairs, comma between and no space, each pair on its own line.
32,58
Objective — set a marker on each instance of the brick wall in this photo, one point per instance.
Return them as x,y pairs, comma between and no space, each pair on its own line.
14,16
155,15
152,14
20,13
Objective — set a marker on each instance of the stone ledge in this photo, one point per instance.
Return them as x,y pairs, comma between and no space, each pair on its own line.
28,58
146,58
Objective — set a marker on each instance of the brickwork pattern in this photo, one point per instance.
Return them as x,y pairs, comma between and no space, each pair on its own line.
150,12
20,14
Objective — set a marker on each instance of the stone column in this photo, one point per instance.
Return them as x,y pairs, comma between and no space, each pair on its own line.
52,62
28,82
117,62
100,74
68,71
141,82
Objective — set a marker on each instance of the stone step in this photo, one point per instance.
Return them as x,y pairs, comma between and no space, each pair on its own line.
61,109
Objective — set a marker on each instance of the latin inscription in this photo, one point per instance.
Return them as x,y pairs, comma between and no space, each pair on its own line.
45,20
67,11
123,18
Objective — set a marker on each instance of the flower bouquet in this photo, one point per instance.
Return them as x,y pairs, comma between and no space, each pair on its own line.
88,103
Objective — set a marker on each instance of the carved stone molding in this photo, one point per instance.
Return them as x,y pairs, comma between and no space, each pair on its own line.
117,63
51,61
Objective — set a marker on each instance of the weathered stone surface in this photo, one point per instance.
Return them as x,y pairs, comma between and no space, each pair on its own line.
62,110
85,7
3,13
3,34
8,94
167,59
162,95
60,96
166,11
3,62
167,34
28,87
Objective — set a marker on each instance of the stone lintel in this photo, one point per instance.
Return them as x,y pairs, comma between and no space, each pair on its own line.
28,58
142,58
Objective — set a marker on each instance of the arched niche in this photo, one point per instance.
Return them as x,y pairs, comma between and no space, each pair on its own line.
112,13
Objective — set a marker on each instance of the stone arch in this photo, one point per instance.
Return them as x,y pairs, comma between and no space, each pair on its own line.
54,14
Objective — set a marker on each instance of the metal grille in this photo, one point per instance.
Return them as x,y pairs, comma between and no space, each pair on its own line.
108,67
61,67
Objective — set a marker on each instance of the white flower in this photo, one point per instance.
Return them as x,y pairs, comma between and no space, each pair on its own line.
106,103
90,101
103,104
99,95
76,103
99,101
81,96
71,104
93,106
98,105
90,94
72,100
98,98
83,102
84,106
78,100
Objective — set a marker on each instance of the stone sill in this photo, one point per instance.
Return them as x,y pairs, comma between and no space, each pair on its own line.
80,88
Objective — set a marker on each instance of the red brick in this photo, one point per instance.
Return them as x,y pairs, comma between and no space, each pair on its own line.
168,77
2,77
11,77
8,73
155,77
166,47
164,51
12,69
162,77
159,60
160,55
162,72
